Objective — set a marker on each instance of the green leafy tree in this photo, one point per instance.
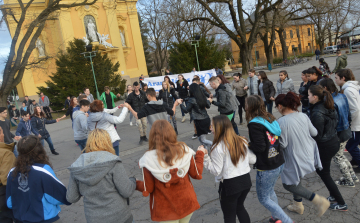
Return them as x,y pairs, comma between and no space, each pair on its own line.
183,58
74,73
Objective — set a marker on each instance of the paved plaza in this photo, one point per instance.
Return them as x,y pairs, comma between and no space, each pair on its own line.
206,189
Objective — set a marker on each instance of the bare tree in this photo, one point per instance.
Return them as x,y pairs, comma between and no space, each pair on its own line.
243,28
18,59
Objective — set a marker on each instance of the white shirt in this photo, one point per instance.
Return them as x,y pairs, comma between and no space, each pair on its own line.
221,166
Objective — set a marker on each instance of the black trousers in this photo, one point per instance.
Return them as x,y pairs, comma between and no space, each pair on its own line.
47,112
241,106
233,206
327,151
6,216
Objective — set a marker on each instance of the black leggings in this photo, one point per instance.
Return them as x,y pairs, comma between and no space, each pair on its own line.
241,106
233,206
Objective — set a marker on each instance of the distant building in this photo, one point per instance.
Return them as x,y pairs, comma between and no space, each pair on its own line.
299,36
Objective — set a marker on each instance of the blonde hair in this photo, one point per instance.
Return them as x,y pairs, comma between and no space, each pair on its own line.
167,85
99,140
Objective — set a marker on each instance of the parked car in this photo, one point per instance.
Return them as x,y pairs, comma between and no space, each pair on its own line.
355,46
342,46
330,49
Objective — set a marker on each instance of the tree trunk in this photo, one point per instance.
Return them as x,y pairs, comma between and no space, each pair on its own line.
269,56
246,57
330,37
283,43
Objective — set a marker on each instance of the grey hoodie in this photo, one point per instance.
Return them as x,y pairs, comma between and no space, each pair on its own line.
285,87
101,178
80,125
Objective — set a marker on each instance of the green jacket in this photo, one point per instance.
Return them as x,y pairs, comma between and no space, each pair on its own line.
341,63
103,98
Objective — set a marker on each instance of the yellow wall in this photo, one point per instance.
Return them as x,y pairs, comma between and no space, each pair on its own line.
110,16
294,41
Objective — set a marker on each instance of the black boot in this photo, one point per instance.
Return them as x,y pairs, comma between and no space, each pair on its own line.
145,139
141,140
54,152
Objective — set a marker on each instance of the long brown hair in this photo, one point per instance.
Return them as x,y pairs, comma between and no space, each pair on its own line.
224,132
255,107
72,103
30,152
36,113
99,140
323,95
163,139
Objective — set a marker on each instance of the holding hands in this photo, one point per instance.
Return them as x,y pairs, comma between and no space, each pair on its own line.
210,99
58,119
179,101
118,95
202,149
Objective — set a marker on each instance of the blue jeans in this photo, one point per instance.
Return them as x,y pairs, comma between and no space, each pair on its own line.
186,103
49,141
234,124
269,106
352,146
16,153
265,183
116,148
81,144
317,57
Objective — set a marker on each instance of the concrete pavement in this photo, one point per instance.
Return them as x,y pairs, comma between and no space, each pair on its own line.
206,189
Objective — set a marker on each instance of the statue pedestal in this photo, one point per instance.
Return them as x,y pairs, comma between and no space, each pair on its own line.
227,68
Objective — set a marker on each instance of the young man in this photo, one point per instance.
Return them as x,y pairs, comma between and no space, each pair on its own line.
89,96
137,100
14,115
7,161
79,99
346,80
341,61
67,103
5,125
252,83
317,53
108,97
24,128
27,101
44,104
223,100
32,107
218,71
154,109
80,124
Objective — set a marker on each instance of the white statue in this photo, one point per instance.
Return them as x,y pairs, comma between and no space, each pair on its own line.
92,31
122,35
103,39
86,40
41,47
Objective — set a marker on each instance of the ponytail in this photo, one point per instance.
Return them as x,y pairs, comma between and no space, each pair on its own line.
323,95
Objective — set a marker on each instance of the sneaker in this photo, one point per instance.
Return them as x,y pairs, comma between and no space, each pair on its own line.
345,183
354,163
131,124
183,119
354,177
194,136
274,220
331,199
54,152
338,207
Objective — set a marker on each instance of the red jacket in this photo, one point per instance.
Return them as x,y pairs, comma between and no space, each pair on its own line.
175,199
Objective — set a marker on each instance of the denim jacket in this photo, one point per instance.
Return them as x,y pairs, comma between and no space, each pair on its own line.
343,110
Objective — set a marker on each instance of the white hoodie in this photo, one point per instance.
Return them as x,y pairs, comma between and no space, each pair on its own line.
351,91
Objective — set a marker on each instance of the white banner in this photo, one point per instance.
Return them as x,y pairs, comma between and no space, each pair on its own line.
156,82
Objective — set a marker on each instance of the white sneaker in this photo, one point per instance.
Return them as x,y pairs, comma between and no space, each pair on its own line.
131,124
183,119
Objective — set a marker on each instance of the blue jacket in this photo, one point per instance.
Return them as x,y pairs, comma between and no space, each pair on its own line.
36,196
25,129
343,110
38,125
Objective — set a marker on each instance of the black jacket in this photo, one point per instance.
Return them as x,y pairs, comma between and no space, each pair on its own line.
317,52
183,90
67,103
324,120
223,100
196,112
260,145
167,97
17,113
137,102
268,89
304,94
38,124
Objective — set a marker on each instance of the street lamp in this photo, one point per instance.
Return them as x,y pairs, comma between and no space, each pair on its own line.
196,44
90,54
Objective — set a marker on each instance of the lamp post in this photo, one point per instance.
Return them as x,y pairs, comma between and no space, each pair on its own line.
90,54
350,42
196,44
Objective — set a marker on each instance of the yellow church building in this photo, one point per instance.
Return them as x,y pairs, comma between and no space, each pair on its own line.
112,25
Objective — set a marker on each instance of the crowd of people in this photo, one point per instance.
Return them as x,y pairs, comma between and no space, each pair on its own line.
291,147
